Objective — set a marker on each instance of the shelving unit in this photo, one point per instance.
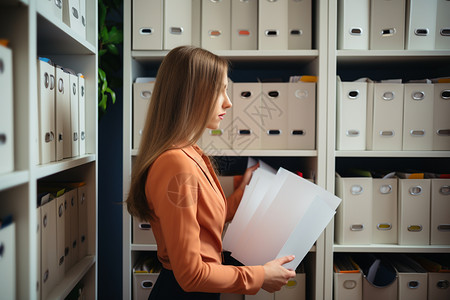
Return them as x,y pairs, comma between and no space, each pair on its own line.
301,62
34,33
377,65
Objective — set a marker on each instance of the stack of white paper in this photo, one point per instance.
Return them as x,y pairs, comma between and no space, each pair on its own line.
280,214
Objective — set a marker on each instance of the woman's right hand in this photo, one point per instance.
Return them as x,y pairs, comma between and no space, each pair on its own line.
275,275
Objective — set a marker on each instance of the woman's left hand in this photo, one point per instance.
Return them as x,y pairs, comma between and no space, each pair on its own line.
248,176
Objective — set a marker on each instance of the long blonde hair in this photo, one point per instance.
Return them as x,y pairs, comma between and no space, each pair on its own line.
187,86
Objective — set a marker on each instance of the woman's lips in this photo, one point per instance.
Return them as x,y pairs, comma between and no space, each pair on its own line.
221,116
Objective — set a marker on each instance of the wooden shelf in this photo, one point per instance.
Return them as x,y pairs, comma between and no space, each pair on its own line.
71,279
239,55
63,165
13,179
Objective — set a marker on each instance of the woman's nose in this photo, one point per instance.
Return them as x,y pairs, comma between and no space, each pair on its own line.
227,103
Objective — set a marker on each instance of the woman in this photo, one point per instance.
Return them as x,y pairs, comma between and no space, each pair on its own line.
174,185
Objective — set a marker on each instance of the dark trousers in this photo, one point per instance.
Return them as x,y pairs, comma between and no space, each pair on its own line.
167,288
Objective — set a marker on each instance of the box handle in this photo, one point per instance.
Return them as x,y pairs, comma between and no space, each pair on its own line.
298,132
146,30
176,30
216,132
215,33
356,189
444,227
445,190
415,190
444,132
244,132
2,139
145,226
46,274
353,94
246,94
442,284
46,80
298,32
61,260
75,13
357,227
387,133
75,136
421,31
49,136
44,220
147,284
445,94
386,189
271,32
356,31
61,85
244,32
58,3
52,82
60,210
418,95
83,135
415,228
413,284
146,95
388,96
384,226
273,94
417,132
2,66
301,94
273,132
445,31
349,284
388,32
291,283
352,132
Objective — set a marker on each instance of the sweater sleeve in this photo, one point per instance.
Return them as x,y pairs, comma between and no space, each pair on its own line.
172,188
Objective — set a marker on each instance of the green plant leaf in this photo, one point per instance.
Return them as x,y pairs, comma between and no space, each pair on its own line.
115,35
104,86
101,74
113,49
101,52
112,94
102,104
104,34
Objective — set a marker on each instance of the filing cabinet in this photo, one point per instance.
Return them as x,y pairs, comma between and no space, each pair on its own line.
142,233
351,115
414,211
354,215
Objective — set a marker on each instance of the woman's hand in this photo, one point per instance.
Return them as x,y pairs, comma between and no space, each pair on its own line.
247,176
275,275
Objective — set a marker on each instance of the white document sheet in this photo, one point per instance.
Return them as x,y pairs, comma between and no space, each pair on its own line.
279,215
